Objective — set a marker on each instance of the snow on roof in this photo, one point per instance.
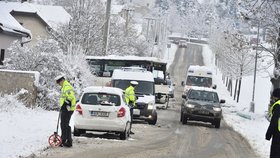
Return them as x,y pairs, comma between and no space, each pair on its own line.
99,89
132,75
52,15
199,68
133,58
8,23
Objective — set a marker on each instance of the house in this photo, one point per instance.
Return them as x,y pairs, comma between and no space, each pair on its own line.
27,22
11,30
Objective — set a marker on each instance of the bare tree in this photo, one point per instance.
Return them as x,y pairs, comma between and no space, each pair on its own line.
266,13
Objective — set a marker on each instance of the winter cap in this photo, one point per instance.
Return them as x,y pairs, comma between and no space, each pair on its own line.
276,93
134,83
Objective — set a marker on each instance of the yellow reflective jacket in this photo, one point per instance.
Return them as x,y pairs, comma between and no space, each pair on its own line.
130,95
67,92
271,112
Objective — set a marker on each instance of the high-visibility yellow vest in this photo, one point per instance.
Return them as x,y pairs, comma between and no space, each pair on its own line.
130,95
271,113
67,92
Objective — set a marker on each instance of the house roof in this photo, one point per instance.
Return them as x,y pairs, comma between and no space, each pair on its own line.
53,16
8,24
14,32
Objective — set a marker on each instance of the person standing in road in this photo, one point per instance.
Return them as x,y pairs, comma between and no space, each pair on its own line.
67,104
273,130
130,99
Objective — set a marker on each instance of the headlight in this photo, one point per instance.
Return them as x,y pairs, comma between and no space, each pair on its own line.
150,106
217,109
190,105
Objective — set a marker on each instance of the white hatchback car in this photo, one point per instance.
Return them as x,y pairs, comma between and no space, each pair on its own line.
102,109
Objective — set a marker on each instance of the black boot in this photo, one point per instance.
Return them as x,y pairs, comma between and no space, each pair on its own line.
68,143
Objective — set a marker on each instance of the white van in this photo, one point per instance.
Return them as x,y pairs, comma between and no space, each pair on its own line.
145,91
200,76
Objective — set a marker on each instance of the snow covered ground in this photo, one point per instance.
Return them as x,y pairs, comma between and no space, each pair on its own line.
24,131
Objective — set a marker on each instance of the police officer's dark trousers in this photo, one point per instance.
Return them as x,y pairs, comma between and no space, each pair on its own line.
131,115
65,128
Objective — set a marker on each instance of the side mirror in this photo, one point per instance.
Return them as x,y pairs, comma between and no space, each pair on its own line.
77,101
184,96
222,101
214,86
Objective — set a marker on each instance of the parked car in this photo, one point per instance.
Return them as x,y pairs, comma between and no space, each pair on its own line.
202,104
102,109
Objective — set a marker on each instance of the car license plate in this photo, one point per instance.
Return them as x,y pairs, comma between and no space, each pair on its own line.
203,112
99,113
136,112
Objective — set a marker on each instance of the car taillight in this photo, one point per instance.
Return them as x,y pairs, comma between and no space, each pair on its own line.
79,109
121,112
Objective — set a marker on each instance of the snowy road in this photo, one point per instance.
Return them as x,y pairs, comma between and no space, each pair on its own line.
169,138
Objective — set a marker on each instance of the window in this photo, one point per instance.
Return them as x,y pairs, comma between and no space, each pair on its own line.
103,99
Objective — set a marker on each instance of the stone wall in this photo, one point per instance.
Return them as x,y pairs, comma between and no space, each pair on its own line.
12,82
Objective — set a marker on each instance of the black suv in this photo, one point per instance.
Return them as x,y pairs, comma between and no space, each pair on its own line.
202,104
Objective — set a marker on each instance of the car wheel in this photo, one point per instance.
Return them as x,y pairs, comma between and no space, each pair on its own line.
78,132
184,119
125,134
217,123
154,120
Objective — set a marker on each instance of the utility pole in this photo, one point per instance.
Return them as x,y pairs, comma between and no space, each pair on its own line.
147,33
127,12
150,22
106,28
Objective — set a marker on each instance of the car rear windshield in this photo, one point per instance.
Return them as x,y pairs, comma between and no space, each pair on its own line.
101,99
143,87
199,81
203,96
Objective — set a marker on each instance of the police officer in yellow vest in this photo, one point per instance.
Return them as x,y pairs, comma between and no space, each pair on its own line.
130,99
273,130
67,104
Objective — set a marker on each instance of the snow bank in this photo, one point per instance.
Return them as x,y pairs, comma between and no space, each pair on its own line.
23,130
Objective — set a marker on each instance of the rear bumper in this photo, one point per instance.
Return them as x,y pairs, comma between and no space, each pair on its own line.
93,124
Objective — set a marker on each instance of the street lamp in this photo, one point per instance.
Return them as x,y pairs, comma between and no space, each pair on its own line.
252,104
